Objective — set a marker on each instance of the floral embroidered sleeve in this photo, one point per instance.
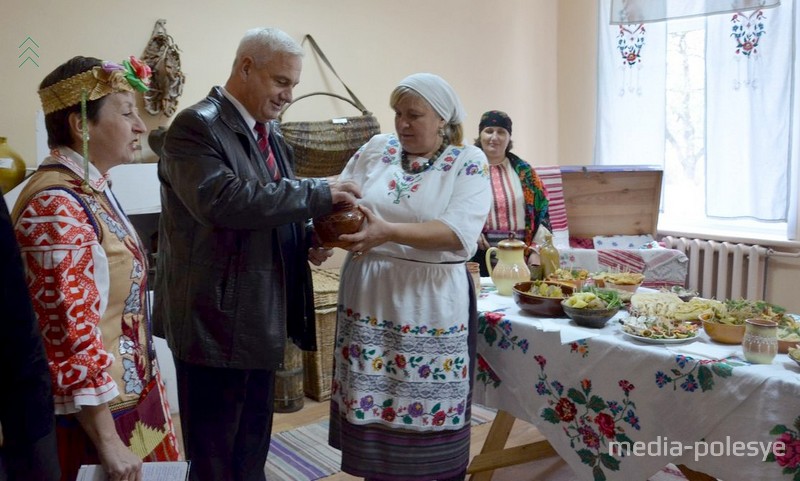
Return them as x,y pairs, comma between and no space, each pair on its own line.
67,275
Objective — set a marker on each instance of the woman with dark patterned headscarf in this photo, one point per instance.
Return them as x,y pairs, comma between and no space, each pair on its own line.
519,197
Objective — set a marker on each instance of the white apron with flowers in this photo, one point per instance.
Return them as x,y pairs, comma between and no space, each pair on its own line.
401,356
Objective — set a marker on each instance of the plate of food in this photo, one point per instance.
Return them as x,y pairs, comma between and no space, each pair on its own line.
658,330
574,278
683,293
622,281
670,306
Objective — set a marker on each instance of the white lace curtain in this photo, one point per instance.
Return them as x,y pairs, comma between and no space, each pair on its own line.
751,105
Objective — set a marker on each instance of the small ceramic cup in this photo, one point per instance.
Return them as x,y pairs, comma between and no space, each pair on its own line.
760,343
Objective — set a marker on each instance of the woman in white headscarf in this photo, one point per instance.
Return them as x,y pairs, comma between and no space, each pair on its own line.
401,393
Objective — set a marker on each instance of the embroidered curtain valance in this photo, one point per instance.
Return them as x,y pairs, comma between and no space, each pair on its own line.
646,11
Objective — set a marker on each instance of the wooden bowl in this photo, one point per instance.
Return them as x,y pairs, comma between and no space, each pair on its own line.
724,333
537,305
621,287
784,346
596,318
575,284
795,356
342,220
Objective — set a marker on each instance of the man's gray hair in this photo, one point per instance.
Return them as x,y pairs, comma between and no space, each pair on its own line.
261,43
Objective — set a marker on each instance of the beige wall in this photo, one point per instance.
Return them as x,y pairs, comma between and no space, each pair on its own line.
577,85
535,59
495,54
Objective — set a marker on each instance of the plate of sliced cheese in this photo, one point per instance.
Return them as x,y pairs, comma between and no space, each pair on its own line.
658,330
670,306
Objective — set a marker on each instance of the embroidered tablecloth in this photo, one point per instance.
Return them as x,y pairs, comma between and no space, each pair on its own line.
617,408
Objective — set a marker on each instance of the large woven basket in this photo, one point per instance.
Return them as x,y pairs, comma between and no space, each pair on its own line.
326,286
322,148
318,365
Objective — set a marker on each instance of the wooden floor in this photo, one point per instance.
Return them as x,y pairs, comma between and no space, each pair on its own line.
551,469
548,469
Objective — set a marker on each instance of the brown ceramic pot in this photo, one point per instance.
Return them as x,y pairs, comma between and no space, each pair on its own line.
346,220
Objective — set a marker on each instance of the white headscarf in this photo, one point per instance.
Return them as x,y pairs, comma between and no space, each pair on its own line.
438,93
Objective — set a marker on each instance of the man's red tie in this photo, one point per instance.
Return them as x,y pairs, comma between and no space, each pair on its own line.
263,145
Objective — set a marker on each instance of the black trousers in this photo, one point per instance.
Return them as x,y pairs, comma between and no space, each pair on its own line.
38,460
226,420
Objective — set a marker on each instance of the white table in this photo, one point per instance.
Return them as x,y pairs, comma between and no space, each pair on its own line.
697,404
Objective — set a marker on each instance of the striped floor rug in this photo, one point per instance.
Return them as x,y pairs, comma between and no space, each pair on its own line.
303,454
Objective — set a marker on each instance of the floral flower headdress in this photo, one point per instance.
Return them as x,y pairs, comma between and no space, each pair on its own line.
132,76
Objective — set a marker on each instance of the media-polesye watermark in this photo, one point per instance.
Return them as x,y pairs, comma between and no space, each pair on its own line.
663,446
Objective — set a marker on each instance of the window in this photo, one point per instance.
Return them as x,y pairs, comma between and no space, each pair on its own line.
711,100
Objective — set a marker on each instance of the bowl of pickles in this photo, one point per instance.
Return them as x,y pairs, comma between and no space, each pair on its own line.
592,307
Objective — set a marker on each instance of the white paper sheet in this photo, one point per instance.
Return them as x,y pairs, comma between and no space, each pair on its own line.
153,471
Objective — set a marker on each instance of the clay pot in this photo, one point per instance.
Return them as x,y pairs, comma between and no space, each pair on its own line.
760,343
12,167
342,220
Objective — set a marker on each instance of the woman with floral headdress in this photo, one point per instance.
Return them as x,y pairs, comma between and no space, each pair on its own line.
407,320
87,274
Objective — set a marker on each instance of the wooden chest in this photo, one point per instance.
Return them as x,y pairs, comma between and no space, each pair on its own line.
612,200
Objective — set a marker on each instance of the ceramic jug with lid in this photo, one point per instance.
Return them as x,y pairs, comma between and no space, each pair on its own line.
511,267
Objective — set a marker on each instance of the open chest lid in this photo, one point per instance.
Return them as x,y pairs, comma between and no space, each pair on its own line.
612,200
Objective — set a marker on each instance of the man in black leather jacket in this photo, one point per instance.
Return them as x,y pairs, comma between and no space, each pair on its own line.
233,278
27,420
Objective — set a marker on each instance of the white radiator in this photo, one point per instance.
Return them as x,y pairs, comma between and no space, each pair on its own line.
723,270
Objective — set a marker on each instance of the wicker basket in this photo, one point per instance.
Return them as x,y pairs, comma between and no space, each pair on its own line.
326,286
318,365
322,148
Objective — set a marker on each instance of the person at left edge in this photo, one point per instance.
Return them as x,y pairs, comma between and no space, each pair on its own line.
27,422
233,278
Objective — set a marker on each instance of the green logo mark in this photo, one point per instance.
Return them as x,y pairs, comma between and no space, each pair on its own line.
29,52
